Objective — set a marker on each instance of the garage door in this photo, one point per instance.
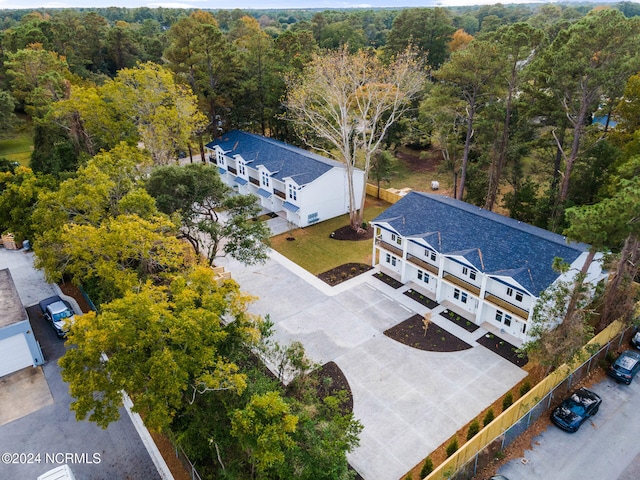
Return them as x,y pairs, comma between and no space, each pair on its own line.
14,354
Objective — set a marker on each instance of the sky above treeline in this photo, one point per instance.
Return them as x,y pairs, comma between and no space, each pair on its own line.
247,4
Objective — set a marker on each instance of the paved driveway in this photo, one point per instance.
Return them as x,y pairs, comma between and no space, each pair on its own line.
409,401
50,434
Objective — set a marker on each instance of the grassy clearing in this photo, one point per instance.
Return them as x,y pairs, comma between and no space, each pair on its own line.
18,146
316,252
416,170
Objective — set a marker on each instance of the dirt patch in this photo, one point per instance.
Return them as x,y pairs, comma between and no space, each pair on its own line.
419,160
411,333
348,233
344,272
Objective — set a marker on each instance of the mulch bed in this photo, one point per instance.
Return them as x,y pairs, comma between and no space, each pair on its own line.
503,348
459,320
331,381
411,333
348,233
421,299
343,273
392,282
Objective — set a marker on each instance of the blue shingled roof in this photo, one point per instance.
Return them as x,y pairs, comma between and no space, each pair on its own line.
507,247
280,159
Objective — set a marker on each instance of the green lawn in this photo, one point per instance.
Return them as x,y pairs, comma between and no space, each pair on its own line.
18,146
316,252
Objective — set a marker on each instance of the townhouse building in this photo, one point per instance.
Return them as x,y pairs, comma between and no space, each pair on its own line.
491,267
303,187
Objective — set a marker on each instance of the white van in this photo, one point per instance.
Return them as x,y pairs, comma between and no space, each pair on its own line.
63,472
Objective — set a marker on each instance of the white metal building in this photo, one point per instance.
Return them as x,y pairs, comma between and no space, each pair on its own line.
18,346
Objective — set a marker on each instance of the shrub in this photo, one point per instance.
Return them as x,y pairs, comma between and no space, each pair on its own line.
524,388
332,279
427,468
408,477
488,418
354,270
452,447
507,401
343,274
364,225
474,428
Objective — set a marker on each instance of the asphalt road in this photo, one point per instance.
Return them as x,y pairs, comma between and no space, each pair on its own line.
50,436
605,448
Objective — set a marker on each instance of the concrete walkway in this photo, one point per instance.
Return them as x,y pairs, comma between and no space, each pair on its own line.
409,401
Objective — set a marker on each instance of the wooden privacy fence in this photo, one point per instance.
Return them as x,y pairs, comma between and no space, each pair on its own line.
506,427
390,195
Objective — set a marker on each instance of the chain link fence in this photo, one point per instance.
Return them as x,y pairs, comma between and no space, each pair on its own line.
508,426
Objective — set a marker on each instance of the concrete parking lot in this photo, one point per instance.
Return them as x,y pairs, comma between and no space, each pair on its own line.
37,438
409,401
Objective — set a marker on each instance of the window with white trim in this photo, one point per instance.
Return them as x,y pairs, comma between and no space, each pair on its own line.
390,259
424,276
463,297
456,294
433,256
465,271
293,192
265,179
472,274
507,320
241,169
396,238
519,296
499,315
510,291
524,328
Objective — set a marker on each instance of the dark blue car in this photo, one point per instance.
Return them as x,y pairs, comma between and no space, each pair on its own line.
625,367
576,409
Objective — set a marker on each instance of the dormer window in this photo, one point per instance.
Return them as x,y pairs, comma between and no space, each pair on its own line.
220,158
241,169
265,179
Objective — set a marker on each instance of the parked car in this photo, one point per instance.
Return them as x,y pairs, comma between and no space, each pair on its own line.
576,409
625,367
58,313
635,340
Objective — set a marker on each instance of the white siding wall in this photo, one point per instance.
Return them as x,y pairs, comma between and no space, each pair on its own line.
458,270
500,290
465,301
326,197
391,262
421,277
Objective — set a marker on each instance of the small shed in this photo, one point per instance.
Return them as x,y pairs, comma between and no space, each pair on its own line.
18,346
